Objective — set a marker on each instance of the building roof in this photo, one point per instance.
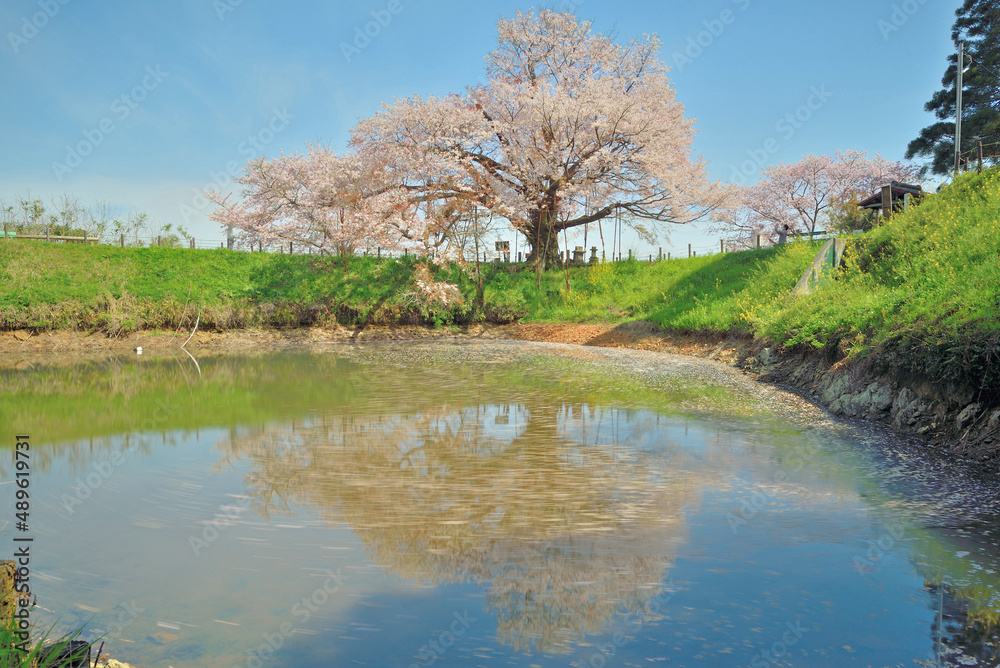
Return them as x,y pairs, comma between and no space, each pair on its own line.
899,190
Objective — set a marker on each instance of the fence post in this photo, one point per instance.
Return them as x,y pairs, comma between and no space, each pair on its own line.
668,256
85,237
123,241
689,250
758,242
722,246
46,234
291,248
5,230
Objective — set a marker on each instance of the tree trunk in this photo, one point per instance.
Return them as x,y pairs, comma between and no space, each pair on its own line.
543,238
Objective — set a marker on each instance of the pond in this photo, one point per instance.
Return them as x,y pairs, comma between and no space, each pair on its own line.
481,504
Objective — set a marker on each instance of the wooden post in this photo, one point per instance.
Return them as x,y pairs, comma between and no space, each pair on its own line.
46,233
123,241
291,248
659,254
722,246
887,201
5,230
689,250
519,258
85,237
758,242
668,256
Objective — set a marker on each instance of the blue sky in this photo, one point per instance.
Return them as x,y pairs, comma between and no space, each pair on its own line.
173,94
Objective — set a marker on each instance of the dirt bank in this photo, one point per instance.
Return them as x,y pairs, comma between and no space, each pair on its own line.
947,415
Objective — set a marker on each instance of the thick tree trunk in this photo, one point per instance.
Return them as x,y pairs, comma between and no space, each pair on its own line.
543,239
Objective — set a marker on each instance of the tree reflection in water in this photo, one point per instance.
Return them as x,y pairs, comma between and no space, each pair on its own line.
563,535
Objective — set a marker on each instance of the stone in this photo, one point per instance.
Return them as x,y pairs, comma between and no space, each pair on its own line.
766,357
995,420
874,401
838,388
164,638
907,409
967,416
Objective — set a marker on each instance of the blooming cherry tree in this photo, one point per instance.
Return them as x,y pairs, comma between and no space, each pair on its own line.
802,195
566,116
321,200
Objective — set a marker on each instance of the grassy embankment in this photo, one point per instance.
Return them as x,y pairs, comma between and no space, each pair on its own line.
926,284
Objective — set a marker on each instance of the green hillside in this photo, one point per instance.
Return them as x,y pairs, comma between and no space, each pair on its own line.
927,281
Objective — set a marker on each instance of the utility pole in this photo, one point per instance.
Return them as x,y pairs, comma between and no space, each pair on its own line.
959,85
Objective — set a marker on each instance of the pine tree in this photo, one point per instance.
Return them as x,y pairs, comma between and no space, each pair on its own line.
978,25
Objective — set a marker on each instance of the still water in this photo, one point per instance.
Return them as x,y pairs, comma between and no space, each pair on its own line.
492,504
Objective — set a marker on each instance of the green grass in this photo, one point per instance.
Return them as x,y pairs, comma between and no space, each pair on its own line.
925,284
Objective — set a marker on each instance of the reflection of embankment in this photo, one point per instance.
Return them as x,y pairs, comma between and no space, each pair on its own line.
563,535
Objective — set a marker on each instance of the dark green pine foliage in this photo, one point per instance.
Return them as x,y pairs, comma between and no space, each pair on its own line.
978,25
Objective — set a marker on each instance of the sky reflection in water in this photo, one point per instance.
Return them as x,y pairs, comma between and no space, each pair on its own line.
479,505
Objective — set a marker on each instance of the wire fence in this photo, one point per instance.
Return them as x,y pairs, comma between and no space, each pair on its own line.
577,256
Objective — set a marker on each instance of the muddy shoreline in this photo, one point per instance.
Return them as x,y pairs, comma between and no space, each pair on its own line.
946,417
